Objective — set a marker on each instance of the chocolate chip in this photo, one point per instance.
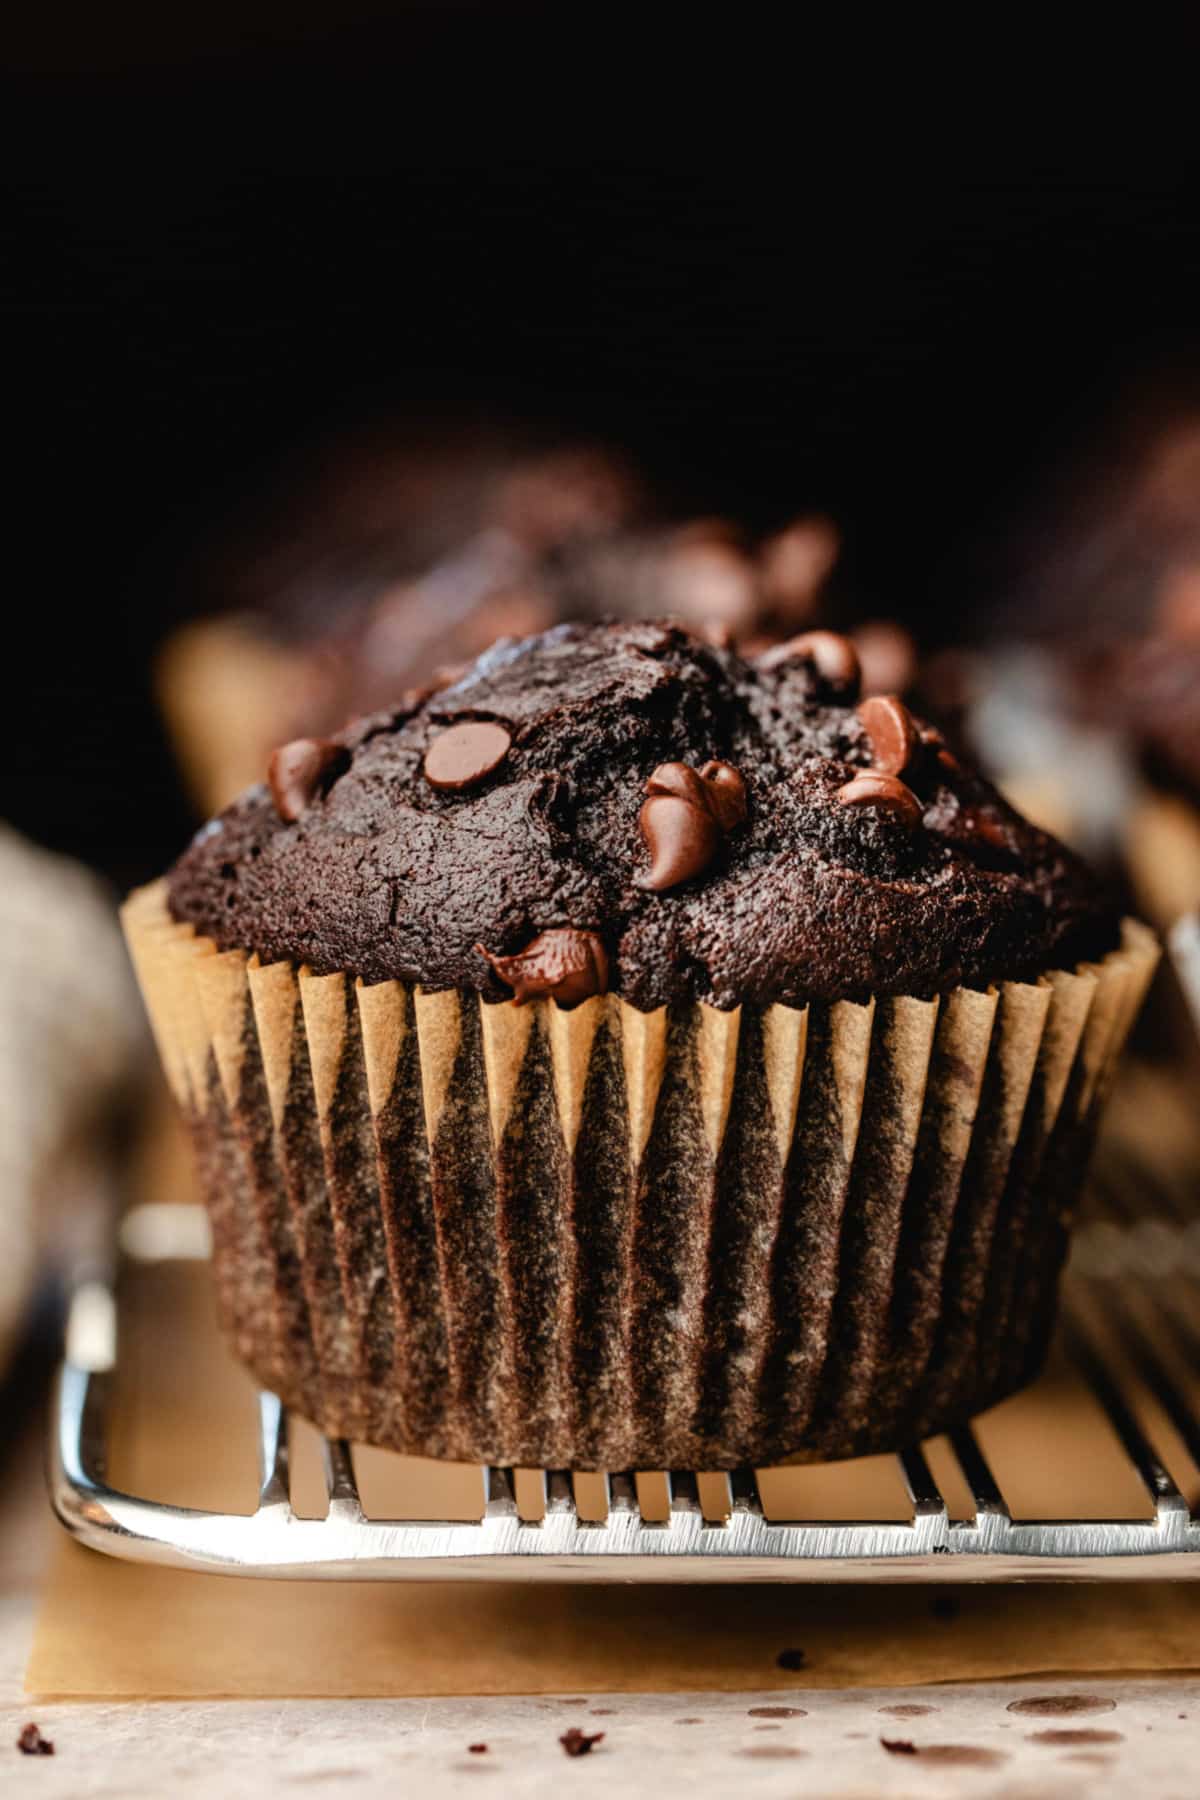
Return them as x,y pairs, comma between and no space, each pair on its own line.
899,1746
32,1743
725,792
891,733
299,771
477,1749
464,754
685,819
579,1743
833,657
791,1659
567,965
872,788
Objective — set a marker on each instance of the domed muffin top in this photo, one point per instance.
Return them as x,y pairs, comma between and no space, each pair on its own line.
623,807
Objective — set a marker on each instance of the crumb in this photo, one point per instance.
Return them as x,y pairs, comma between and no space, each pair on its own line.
579,1743
899,1746
477,1749
945,1606
790,1659
32,1743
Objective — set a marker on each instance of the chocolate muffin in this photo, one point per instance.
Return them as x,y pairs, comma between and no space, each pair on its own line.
633,1056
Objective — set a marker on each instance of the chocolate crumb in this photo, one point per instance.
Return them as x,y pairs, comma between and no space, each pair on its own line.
32,1743
777,1712
899,1746
1064,1737
1057,1706
579,1743
477,1749
791,1659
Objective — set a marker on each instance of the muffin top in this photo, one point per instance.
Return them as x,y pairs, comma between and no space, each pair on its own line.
625,808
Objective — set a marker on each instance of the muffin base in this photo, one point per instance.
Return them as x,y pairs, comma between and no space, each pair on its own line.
607,1239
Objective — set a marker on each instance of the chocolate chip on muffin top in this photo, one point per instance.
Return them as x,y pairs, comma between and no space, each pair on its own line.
721,830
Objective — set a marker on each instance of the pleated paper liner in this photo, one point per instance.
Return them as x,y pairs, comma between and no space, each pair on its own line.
613,1239
1162,849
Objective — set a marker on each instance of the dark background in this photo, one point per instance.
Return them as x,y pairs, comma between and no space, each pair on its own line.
222,237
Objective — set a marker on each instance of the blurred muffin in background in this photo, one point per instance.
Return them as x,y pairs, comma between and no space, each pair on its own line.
387,565
1103,692
374,561
71,1047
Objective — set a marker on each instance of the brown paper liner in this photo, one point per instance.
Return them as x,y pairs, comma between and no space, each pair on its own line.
613,1239
1162,850
215,680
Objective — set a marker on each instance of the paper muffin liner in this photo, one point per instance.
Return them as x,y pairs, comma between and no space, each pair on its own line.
215,681
1162,854
613,1239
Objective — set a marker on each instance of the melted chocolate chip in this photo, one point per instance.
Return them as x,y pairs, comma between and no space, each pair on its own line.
833,657
463,754
579,1743
567,965
301,770
777,1712
685,818
891,733
874,789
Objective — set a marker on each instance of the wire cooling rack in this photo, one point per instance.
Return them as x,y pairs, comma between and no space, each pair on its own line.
1131,1298
1130,1327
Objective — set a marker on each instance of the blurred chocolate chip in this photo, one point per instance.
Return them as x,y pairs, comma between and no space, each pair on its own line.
887,656
705,577
791,1659
299,771
477,1749
794,564
899,1746
463,754
891,732
685,817
565,964
717,633
579,1743
833,657
872,788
